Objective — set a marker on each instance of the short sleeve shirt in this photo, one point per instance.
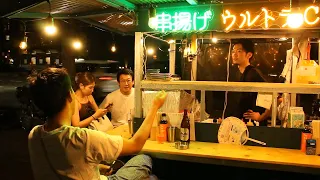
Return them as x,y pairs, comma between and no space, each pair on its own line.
73,152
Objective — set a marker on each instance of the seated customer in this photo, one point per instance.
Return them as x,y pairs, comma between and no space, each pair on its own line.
61,151
122,100
87,110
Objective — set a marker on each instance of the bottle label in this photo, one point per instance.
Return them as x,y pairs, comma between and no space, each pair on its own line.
163,130
184,134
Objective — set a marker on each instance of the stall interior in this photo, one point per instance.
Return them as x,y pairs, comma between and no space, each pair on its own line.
214,63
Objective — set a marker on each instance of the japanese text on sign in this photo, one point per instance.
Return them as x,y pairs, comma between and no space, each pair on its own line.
265,18
183,21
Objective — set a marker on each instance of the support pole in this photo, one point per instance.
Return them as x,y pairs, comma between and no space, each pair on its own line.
203,105
138,62
194,62
172,58
274,109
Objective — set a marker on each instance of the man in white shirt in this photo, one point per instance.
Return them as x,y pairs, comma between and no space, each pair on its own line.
61,151
121,100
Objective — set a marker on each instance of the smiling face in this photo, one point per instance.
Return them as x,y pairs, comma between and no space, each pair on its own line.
125,83
239,55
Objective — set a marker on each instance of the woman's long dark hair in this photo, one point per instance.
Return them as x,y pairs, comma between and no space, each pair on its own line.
84,78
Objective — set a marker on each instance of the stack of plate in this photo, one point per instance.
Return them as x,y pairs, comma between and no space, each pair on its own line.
153,71
159,76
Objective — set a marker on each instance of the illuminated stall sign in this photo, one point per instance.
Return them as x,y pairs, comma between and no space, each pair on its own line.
228,18
267,19
183,20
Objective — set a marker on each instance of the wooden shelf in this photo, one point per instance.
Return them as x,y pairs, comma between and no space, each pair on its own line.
232,86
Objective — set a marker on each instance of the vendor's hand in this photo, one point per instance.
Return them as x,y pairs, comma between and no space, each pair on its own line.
159,99
251,115
99,113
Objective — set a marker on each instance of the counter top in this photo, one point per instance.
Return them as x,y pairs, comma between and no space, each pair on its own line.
237,155
231,155
238,152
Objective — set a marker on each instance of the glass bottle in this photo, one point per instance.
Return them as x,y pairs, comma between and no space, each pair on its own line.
185,128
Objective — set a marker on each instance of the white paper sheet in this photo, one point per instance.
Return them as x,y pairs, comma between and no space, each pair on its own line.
264,100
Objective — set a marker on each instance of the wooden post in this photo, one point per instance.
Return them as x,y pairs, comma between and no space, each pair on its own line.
203,106
138,62
274,109
172,58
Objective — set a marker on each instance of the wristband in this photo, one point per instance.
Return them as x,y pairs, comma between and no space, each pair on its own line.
93,117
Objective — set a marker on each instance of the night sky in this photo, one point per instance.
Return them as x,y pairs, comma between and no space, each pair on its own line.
13,5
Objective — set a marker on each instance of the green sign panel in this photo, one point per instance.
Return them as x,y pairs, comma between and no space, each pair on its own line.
183,20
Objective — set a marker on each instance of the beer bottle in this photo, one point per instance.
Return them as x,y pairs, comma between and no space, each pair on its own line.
185,127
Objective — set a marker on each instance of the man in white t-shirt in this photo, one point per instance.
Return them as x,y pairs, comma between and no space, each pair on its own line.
61,151
121,100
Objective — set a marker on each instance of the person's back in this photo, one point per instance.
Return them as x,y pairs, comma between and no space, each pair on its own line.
73,152
60,151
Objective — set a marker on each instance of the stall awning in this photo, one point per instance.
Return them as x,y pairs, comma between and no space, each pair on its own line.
129,16
117,16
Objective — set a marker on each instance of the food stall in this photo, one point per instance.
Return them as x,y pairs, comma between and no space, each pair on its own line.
231,21
189,23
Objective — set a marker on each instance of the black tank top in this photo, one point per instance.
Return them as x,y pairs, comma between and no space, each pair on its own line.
85,111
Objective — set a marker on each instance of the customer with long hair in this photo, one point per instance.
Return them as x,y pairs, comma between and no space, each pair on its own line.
87,109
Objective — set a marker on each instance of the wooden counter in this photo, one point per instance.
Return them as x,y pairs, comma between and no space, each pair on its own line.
232,155
236,155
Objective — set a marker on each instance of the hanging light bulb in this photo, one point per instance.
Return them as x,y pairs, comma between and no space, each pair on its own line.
295,20
50,29
150,51
77,45
153,21
214,40
23,44
113,48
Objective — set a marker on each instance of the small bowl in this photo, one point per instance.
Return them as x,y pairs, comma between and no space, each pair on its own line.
181,145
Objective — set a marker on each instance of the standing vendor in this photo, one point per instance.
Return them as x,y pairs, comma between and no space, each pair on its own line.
242,54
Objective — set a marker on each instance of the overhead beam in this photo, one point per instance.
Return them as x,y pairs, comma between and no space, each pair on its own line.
120,4
95,13
23,9
32,15
29,15
192,2
102,26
